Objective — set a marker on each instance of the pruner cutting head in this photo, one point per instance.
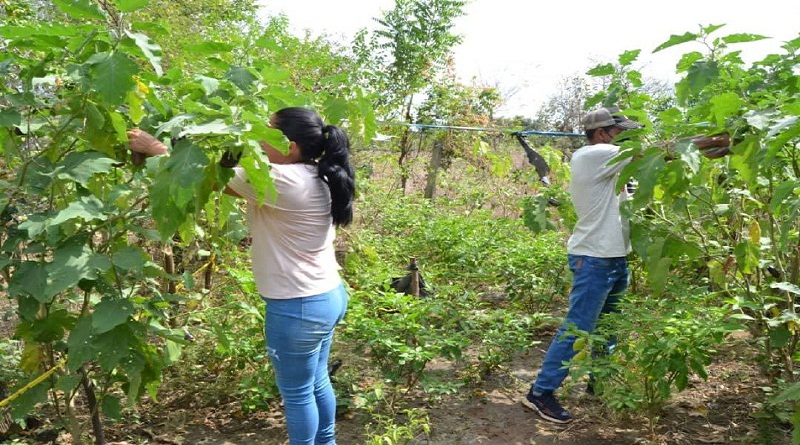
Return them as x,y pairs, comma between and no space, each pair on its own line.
534,158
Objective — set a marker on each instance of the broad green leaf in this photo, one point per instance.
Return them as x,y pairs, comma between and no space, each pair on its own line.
782,191
711,28
276,139
657,274
635,78
209,48
167,214
336,110
43,29
701,74
172,352
111,313
673,178
114,346
241,77
724,106
786,287
647,172
118,122
173,126
783,124
31,358
150,49
601,70
790,393
210,85
81,343
742,317
779,336
131,5
275,75
217,126
758,119
10,117
30,278
747,255
746,159
82,166
173,193
94,119
136,111
72,263
111,406
87,208
68,382
129,258
755,232
791,133
113,76
742,38
51,328
258,176
27,403
677,40
134,367
688,60
80,9
187,163
628,57
35,225
258,128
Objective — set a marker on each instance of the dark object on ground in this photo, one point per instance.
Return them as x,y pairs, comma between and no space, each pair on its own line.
403,284
413,283
333,367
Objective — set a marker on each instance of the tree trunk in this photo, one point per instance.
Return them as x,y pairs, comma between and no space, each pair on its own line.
404,147
94,409
433,169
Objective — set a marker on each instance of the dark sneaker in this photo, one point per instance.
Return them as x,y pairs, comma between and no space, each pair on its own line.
547,407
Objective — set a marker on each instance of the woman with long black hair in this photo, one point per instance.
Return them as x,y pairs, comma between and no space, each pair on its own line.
294,262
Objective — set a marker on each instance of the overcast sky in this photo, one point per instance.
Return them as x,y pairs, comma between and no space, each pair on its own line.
526,47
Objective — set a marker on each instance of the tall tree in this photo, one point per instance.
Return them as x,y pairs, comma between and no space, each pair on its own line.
413,45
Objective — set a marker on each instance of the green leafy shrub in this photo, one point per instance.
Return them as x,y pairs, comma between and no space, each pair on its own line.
403,333
660,344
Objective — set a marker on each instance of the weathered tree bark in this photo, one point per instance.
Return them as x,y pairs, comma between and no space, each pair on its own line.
433,169
94,409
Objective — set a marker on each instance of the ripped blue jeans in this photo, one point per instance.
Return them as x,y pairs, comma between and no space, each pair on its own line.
299,333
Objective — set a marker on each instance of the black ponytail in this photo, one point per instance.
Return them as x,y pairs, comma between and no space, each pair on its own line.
328,145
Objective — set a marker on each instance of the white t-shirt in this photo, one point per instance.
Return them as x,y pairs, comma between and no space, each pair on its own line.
601,230
292,232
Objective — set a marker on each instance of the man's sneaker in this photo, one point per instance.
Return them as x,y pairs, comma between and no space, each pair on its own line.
547,407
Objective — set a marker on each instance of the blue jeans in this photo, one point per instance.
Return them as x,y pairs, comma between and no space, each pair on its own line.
299,333
597,286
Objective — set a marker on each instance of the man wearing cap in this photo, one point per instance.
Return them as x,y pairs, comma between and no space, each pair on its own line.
596,252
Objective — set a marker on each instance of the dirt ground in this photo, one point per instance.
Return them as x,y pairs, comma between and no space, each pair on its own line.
722,410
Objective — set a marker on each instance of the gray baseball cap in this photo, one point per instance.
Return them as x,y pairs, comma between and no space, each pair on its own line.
606,117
